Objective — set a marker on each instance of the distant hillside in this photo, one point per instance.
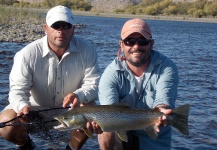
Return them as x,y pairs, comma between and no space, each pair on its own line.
32,1
109,5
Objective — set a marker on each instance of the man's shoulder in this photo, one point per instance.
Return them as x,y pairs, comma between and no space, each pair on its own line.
37,43
79,41
159,58
31,49
116,64
115,67
81,45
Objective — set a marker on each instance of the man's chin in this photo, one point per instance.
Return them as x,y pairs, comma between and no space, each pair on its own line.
136,63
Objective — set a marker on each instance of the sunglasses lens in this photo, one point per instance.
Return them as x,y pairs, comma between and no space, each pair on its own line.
132,41
55,26
64,25
143,42
67,26
129,41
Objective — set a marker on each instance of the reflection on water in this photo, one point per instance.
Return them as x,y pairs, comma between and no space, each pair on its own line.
192,46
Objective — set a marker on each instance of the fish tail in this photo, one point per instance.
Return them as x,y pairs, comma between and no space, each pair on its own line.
179,118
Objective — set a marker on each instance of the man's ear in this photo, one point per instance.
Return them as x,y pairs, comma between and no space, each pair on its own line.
45,28
152,43
121,45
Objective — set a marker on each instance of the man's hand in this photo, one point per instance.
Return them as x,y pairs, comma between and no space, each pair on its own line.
94,127
24,111
72,99
163,120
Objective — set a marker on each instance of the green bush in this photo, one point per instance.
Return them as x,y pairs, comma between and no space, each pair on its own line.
170,10
9,15
199,13
211,9
119,11
199,8
152,10
7,2
73,4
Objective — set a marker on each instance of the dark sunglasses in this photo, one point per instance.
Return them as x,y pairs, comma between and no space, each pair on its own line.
62,24
132,41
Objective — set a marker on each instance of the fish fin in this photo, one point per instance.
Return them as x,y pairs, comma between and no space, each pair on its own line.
179,118
122,135
151,131
117,138
88,133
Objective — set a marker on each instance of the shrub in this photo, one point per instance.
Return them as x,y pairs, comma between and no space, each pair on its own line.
199,13
211,9
170,10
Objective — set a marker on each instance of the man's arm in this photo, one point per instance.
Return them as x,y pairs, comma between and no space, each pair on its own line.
167,86
88,89
20,83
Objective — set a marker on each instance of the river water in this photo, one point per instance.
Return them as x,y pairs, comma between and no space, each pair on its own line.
192,46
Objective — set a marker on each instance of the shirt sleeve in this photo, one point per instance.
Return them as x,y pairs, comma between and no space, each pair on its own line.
89,86
167,85
20,83
108,88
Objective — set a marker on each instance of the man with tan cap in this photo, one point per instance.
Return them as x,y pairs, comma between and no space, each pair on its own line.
143,79
57,70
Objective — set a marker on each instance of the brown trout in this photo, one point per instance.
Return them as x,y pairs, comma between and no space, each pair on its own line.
121,118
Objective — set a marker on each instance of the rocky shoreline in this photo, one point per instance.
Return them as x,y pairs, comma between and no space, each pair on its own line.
25,31
21,32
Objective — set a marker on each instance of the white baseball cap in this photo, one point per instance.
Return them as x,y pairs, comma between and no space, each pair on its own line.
59,13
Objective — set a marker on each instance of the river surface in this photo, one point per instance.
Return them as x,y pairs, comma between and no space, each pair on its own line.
191,45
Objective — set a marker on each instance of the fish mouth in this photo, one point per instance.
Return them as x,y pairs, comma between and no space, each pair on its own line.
62,125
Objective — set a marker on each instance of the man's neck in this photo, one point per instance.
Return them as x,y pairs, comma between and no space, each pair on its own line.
138,71
58,51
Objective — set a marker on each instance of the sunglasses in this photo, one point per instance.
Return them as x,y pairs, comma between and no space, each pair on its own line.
140,41
62,24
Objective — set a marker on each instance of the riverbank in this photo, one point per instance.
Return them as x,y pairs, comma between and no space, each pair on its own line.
170,18
31,29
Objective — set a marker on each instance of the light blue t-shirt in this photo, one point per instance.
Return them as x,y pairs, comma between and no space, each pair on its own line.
160,83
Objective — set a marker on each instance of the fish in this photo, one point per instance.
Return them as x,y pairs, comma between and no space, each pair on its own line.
121,118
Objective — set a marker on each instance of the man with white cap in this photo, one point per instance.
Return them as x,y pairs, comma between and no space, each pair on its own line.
142,78
57,70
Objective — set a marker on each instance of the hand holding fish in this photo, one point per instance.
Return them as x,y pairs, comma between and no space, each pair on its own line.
163,119
72,99
94,127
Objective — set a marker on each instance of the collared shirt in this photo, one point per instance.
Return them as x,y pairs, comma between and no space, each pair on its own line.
38,78
159,86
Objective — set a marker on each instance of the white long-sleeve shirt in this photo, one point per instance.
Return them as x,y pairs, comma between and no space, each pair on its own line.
39,79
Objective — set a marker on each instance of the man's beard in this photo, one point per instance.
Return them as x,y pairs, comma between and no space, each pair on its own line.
142,61
139,63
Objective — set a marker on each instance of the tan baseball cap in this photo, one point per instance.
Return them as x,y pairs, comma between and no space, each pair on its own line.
136,26
59,13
